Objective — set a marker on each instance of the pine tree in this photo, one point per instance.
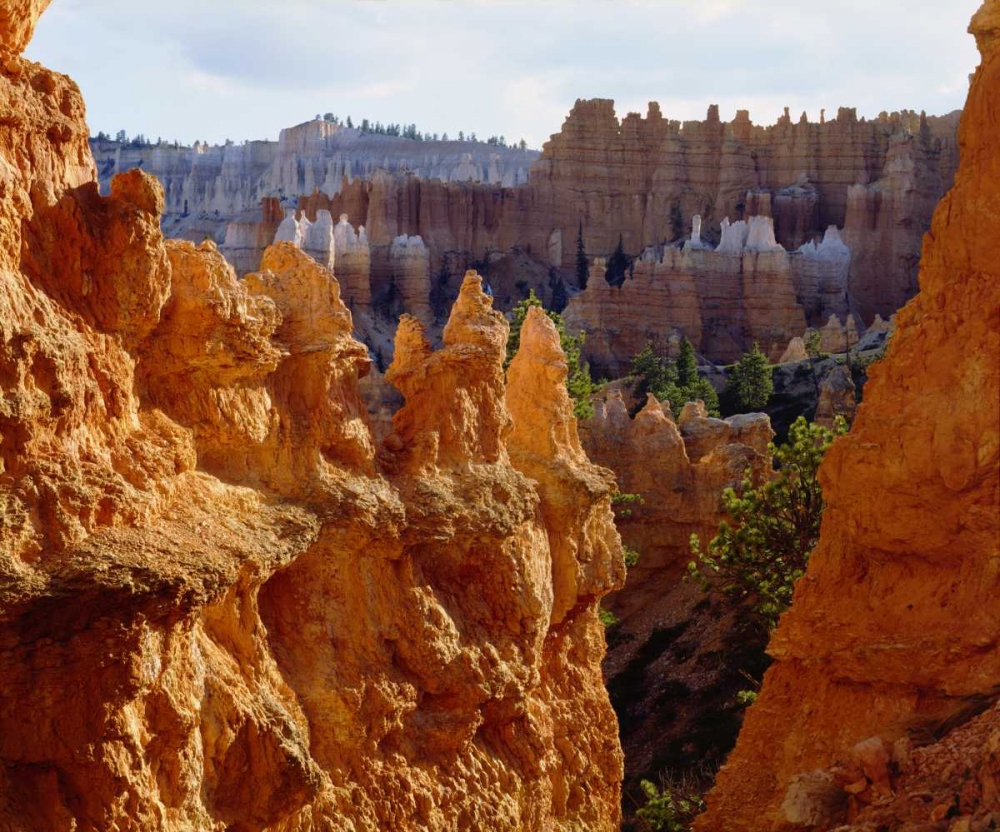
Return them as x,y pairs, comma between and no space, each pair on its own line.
763,547
618,265
750,383
582,266
652,373
687,364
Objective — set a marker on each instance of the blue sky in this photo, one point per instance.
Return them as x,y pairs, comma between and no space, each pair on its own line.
243,69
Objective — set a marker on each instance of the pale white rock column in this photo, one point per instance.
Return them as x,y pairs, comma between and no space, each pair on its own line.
352,255
410,264
319,240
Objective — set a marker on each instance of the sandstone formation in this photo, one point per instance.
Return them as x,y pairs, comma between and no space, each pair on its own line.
353,264
670,688
409,274
223,606
838,336
638,175
893,631
680,468
636,179
796,351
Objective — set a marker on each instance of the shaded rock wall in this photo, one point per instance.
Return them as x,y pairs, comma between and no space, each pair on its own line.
222,604
893,628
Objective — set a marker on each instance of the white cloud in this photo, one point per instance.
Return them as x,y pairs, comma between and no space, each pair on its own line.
191,69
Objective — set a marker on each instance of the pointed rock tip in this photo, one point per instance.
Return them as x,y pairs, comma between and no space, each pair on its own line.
473,319
411,348
540,338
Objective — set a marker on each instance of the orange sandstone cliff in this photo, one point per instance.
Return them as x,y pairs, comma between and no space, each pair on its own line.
223,605
894,634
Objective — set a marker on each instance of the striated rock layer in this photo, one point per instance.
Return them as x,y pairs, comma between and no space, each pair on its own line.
679,468
894,631
222,605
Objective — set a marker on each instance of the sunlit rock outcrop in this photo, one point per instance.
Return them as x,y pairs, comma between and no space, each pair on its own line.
893,632
222,605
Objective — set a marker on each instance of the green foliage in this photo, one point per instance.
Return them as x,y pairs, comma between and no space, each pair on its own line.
580,385
813,341
750,382
618,265
687,364
559,297
608,619
677,383
631,556
746,697
582,265
666,812
763,548
620,504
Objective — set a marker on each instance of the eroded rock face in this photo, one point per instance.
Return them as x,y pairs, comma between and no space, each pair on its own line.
316,155
894,627
221,604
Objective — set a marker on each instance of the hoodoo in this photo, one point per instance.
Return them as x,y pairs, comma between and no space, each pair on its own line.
222,605
881,706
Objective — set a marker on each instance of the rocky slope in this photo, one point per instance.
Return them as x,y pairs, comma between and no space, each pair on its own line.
222,605
893,634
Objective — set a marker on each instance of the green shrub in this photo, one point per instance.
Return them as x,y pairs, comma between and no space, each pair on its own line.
608,619
813,341
620,504
631,556
763,547
666,812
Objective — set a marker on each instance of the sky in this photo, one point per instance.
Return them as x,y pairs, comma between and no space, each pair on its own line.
243,69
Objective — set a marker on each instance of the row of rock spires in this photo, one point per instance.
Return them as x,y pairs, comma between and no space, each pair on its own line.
222,606
405,265
723,298
639,179
747,289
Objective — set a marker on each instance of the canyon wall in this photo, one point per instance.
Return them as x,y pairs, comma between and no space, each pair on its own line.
635,179
893,637
640,180
223,604
680,467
